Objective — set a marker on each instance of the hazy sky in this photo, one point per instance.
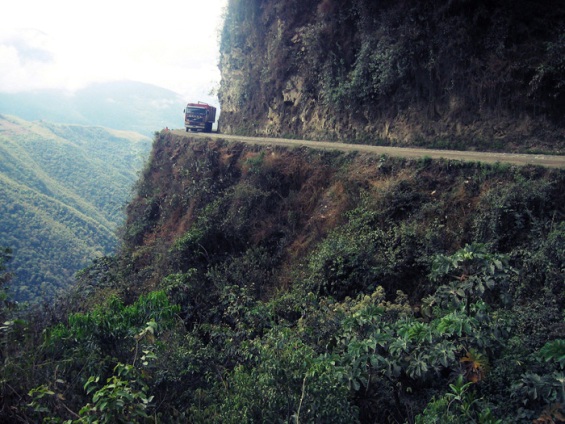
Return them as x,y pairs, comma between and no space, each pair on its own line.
69,43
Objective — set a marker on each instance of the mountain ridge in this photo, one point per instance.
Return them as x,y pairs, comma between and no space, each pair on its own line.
122,105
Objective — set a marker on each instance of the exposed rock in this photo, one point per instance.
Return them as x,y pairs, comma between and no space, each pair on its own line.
455,74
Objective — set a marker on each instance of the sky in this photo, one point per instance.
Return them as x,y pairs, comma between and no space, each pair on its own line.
67,44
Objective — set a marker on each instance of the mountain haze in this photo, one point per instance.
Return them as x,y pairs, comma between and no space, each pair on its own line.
122,105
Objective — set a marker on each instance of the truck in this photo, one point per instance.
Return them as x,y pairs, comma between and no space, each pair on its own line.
199,116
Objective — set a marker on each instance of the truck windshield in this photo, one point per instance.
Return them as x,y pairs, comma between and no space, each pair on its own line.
196,111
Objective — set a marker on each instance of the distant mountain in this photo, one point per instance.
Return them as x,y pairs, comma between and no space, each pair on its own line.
123,105
62,192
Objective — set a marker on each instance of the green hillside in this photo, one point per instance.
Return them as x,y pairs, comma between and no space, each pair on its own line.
62,192
275,285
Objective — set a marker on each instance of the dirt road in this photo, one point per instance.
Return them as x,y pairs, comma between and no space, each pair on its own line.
414,153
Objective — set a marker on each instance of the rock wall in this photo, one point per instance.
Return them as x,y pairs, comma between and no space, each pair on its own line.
458,74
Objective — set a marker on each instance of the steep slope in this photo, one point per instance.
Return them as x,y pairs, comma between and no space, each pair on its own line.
62,196
270,284
213,199
262,284
456,74
319,252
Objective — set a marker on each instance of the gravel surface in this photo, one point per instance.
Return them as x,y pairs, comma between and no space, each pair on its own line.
550,161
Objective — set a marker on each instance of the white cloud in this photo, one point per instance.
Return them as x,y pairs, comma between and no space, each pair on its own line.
26,62
69,43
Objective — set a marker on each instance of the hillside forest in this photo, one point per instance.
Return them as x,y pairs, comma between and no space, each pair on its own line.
277,285
63,189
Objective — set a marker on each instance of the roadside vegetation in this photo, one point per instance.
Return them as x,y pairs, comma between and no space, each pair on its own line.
273,285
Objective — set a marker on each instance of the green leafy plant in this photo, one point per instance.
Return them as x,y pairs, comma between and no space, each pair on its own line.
459,405
554,351
123,399
472,272
285,379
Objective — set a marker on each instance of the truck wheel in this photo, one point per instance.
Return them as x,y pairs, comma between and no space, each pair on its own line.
186,129
208,127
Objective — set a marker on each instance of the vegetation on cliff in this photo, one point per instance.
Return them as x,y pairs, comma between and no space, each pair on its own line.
457,74
273,285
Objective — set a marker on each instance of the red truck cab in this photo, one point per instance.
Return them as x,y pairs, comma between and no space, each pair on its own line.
199,116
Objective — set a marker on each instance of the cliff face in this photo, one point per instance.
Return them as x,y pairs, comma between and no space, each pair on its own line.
202,204
245,269
456,73
287,246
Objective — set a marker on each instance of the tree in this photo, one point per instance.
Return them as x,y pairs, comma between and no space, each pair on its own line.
470,274
5,304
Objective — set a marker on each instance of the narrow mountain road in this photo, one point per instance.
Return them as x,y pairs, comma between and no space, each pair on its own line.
549,161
